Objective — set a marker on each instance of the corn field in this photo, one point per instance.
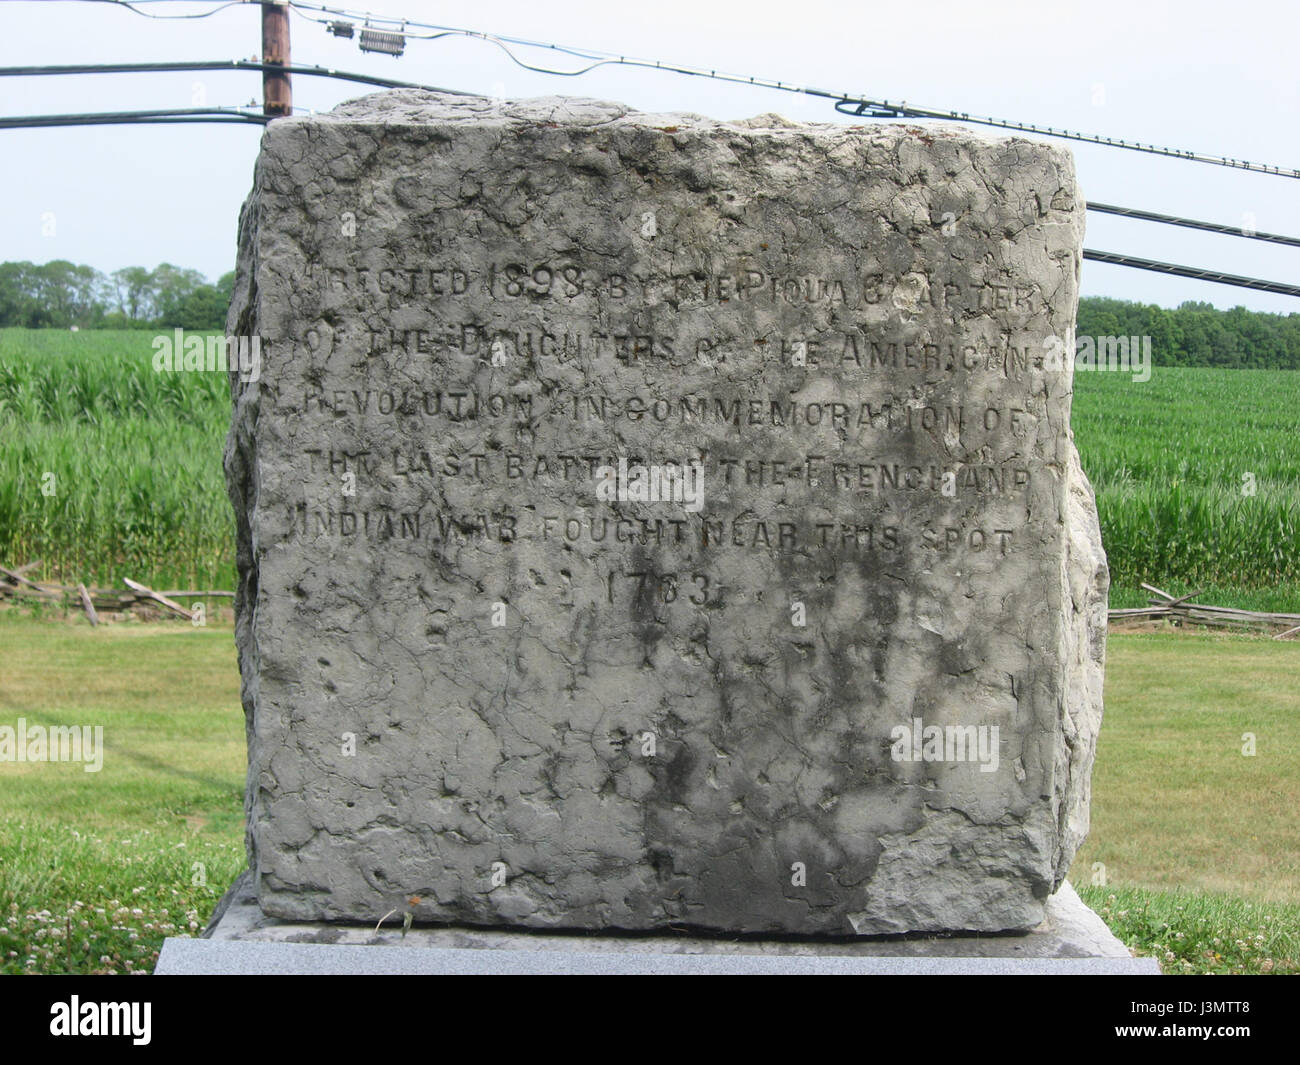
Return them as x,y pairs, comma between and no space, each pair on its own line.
1197,471
108,469
1197,474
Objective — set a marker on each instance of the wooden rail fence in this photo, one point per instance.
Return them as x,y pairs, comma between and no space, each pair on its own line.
15,584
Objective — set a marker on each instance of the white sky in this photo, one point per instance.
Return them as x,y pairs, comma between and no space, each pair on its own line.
1210,76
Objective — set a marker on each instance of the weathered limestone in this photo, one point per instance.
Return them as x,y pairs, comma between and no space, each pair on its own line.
847,679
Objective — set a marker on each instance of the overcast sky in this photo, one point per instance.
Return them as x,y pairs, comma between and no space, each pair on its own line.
1209,76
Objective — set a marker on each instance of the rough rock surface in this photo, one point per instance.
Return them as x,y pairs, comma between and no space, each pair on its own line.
481,691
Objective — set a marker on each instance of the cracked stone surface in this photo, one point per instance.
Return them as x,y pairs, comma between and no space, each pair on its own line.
481,691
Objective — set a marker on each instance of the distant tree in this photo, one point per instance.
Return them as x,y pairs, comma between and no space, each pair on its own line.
15,293
68,293
173,286
1197,334
203,308
62,294
54,294
135,291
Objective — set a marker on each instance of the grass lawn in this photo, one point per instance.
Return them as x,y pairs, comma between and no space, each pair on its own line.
1175,802
1198,841
96,868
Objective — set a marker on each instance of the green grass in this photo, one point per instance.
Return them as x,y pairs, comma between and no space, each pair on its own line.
1191,933
73,901
1175,802
1180,817
98,847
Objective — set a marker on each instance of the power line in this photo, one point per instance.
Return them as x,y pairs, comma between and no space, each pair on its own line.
226,64
1190,223
132,118
370,79
131,5
393,83
1255,283
229,115
845,103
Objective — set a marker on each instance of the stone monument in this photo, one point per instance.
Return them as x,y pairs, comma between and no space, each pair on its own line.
651,522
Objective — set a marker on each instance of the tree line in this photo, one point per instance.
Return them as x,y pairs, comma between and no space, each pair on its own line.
1197,334
61,295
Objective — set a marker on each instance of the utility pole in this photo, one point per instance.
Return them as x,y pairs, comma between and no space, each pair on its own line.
277,95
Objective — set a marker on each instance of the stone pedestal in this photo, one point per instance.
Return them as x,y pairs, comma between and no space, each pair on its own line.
1072,940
